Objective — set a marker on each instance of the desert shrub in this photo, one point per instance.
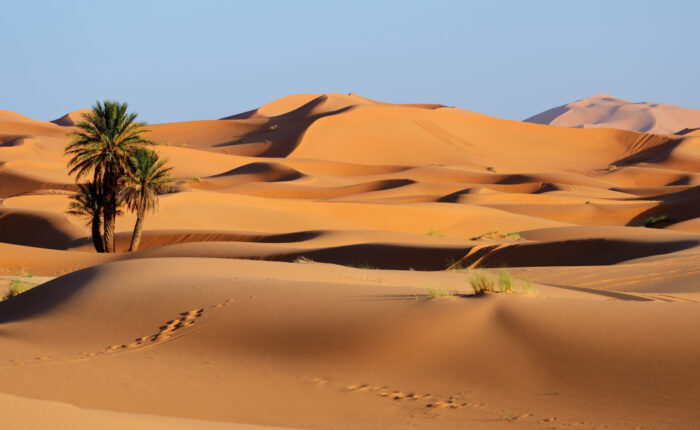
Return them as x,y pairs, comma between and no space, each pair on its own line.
433,233
17,287
435,293
505,281
497,234
651,221
481,282
303,259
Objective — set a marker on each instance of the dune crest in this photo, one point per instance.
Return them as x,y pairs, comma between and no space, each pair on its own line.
606,111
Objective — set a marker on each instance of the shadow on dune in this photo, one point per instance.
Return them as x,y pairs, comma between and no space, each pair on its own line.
45,297
284,131
382,256
576,252
656,153
37,229
158,238
678,206
285,173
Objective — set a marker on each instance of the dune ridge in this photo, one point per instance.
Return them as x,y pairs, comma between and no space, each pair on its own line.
603,110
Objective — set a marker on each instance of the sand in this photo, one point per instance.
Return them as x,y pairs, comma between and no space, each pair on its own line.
606,111
291,279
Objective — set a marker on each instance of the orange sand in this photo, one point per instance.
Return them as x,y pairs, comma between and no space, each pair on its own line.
355,209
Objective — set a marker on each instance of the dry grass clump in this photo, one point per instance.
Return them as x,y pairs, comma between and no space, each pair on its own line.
17,287
497,234
436,293
482,282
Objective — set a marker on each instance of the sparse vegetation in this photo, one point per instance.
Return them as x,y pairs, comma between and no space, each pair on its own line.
181,144
491,169
505,281
273,127
436,293
612,167
303,260
497,234
481,282
194,179
17,287
433,233
652,221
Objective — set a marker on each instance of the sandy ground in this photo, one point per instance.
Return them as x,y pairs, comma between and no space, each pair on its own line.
290,278
603,110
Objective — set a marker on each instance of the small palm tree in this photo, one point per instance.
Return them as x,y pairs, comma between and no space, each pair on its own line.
146,178
88,203
106,139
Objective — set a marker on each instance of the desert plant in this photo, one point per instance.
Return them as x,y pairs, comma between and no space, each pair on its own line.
651,221
273,127
435,293
497,234
195,179
505,281
491,169
17,287
88,203
481,282
303,260
106,139
146,177
433,233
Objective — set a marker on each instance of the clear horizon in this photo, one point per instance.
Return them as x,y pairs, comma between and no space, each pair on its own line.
175,61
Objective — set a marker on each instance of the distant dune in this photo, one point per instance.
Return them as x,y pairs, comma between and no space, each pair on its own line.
314,267
605,111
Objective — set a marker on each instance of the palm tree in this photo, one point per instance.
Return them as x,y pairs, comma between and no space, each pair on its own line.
106,140
146,178
88,203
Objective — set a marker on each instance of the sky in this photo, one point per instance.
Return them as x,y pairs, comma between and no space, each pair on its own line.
185,60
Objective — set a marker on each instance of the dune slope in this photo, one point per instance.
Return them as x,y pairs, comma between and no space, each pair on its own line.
370,223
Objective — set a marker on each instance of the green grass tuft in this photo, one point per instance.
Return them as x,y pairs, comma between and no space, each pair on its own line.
481,282
435,293
505,281
18,287
433,233
497,234
652,221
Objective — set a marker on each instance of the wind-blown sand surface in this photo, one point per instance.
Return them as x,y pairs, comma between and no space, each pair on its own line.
603,110
354,211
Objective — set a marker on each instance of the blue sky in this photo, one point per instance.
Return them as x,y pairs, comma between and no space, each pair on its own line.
184,60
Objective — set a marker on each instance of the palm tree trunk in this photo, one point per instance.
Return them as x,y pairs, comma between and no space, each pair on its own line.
110,210
97,234
138,228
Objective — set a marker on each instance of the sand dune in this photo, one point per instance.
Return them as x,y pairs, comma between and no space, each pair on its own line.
603,110
360,214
